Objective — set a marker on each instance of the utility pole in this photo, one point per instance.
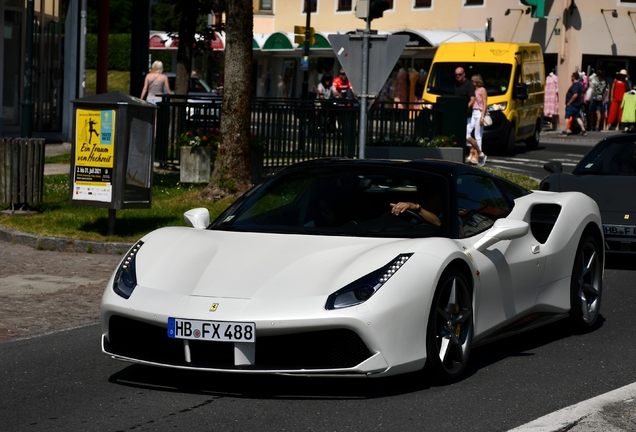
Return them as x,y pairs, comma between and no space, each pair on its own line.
102,47
362,136
305,60
27,104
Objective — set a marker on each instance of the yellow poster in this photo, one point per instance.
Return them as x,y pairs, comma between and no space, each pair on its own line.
94,154
94,138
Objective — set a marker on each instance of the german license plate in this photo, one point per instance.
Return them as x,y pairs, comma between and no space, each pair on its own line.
619,230
222,331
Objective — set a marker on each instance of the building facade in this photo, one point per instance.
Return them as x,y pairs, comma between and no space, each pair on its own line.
576,35
46,82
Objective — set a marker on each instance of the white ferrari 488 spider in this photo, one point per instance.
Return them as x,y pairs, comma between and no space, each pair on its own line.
357,267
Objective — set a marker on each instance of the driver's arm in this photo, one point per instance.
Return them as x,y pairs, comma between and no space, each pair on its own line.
429,217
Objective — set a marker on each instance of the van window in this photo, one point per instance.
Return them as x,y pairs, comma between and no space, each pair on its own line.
496,77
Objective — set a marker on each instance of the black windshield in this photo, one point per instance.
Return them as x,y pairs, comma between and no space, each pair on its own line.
496,77
610,157
353,201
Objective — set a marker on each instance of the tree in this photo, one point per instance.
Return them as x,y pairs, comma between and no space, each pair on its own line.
232,167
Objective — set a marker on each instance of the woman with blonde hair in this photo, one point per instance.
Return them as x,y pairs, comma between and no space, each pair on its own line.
155,83
480,108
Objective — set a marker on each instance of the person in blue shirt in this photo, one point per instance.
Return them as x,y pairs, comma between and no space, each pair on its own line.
573,103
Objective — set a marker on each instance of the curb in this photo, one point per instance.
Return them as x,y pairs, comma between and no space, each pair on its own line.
59,244
590,415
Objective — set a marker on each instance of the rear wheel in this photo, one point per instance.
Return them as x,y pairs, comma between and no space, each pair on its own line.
586,286
450,328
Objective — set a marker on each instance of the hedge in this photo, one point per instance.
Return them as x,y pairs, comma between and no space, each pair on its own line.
119,53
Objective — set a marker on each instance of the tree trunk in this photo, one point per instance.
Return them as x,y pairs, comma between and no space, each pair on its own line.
232,166
187,31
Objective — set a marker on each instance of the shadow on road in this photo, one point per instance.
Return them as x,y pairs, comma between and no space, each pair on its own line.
294,387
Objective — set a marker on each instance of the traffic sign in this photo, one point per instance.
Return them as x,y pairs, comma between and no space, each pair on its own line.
300,34
384,52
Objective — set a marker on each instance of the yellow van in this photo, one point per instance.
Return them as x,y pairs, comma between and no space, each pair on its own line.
514,77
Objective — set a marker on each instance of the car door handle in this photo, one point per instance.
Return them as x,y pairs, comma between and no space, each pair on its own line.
535,249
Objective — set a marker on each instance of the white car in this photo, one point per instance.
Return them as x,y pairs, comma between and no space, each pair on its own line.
312,273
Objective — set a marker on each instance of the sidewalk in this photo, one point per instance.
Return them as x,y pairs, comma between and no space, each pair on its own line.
43,291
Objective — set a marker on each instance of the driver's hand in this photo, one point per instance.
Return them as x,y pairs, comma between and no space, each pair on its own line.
401,207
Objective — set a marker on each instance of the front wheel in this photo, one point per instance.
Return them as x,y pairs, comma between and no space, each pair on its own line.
450,328
509,147
586,286
533,142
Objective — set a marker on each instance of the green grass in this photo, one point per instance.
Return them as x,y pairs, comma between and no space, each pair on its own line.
57,218
117,81
519,179
59,159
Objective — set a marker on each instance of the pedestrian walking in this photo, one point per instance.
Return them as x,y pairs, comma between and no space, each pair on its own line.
343,86
573,104
155,83
595,104
480,108
466,89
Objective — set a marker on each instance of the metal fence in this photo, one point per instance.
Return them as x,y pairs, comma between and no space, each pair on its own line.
295,130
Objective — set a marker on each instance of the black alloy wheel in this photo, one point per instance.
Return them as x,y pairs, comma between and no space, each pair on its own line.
450,328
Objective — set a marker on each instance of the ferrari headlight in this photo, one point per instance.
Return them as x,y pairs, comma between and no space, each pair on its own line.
498,106
362,289
126,278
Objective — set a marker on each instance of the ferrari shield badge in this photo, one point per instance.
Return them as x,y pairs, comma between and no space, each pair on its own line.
214,307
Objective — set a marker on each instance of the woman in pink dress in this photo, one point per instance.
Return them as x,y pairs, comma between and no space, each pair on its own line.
619,87
551,103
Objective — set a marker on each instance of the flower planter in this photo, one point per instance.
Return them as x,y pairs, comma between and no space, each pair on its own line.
195,164
455,154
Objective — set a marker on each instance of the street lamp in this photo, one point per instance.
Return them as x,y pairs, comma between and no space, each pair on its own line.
527,11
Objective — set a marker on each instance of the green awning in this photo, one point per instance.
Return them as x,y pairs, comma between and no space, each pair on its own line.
321,42
255,45
278,41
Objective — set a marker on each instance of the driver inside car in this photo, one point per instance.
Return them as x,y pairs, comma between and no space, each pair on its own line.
429,210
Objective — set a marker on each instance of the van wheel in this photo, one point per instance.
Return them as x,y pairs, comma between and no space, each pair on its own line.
509,147
533,142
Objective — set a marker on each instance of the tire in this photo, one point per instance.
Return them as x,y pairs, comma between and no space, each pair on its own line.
586,286
450,328
533,142
509,147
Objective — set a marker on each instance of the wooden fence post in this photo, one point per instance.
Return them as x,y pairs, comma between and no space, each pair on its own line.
21,170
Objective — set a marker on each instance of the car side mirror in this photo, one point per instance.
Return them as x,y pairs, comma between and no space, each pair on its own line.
521,91
553,167
198,218
503,229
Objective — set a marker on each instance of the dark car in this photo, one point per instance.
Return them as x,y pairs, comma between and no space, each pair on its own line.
203,105
608,175
197,85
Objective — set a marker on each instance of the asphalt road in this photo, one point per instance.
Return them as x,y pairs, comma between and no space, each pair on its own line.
62,382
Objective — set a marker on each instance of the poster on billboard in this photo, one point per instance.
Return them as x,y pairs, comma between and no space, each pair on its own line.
94,155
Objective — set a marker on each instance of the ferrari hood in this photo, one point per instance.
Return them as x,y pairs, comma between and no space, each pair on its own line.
610,192
255,265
